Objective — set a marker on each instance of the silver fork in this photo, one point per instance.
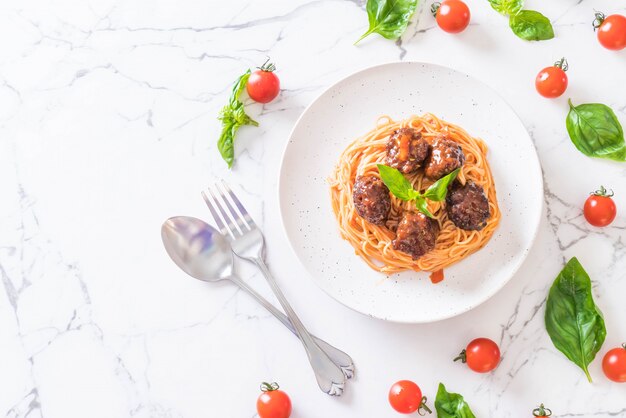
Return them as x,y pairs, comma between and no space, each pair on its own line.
247,242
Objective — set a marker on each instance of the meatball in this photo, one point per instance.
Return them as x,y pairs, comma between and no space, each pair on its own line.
416,234
406,150
445,157
371,199
467,206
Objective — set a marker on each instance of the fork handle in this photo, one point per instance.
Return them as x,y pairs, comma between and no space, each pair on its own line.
329,376
341,359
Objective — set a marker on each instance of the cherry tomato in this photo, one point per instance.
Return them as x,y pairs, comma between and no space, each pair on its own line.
542,411
406,397
263,85
452,16
611,31
481,355
599,208
551,82
273,403
614,364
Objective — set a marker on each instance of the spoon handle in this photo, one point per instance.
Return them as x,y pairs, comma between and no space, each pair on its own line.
338,357
329,376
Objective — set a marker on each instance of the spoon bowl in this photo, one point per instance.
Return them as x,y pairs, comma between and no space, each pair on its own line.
197,248
204,254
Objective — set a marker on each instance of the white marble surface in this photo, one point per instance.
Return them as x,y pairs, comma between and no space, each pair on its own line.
108,126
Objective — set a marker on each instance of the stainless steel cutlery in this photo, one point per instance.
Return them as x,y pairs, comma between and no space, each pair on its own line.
206,254
247,242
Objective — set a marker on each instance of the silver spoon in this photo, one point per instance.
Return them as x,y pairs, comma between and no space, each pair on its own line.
204,254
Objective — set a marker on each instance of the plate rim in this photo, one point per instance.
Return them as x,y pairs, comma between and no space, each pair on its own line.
537,168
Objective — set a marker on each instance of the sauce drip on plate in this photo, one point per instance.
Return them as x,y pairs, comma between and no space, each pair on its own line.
436,276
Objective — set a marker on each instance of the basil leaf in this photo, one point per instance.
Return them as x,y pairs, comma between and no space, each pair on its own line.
573,321
233,116
397,183
389,18
439,189
531,26
595,131
238,88
451,405
402,188
422,206
507,7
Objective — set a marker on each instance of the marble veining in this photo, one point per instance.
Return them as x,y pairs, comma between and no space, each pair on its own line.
108,126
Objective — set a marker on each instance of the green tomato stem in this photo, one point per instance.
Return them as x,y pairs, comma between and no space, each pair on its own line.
424,406
599,19
542,411
434,8
267,66
462,356
562,64
602,191
269,387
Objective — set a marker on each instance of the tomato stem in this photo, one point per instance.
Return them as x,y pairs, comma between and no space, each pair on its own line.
599,19
603,192
462,356
434,8
562,64
424,406
267,66
269,387
542,411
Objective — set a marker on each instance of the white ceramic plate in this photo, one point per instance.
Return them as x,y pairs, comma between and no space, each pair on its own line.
348,110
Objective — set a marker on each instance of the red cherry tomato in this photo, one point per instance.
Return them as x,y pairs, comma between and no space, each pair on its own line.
542,411
551,82
263,85
614,364
611,31
599,208
273,403
406,397
481,355
452,16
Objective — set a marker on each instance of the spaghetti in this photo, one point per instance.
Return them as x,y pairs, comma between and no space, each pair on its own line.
374,243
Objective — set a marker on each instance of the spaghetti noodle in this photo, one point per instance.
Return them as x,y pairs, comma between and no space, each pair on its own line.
374,243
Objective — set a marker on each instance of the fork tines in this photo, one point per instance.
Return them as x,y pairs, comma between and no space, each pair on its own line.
220,200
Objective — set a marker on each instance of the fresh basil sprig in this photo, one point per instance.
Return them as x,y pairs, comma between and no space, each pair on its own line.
439,189
402,188
573,321
507,7
451,405
531,26
526,24
233,116
595,131
389,18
